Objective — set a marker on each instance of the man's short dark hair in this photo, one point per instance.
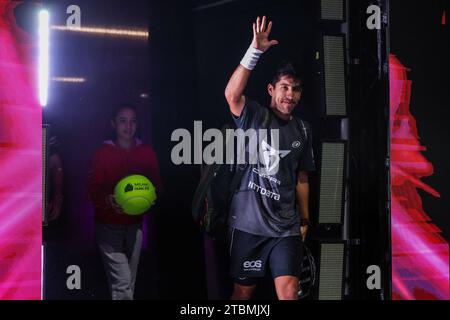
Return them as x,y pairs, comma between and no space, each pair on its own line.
286,69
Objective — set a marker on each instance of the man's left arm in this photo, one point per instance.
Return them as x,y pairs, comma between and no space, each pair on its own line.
302,194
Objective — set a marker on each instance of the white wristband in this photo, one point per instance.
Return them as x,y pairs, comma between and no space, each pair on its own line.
251,58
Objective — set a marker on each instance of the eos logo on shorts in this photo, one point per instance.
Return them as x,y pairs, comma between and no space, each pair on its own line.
296,144
253,264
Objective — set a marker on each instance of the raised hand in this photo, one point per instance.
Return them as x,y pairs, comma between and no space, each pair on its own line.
261,35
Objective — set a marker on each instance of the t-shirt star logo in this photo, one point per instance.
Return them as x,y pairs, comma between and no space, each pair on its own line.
272,156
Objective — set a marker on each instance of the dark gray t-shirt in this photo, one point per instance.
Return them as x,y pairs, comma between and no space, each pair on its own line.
265,203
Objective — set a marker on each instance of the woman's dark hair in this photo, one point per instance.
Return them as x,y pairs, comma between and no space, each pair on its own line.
286,69
122,106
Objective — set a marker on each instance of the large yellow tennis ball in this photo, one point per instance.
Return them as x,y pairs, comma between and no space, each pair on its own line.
135,194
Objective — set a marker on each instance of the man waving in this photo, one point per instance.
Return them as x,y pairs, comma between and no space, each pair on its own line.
269,214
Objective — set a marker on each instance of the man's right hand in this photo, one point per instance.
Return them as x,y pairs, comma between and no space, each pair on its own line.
261,35
111,202
234,92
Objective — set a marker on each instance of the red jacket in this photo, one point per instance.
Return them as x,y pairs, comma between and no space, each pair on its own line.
112,163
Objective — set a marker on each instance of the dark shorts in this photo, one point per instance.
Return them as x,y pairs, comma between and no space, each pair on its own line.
251,256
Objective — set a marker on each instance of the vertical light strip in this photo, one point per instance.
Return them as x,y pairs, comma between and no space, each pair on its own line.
331,271
42,271
332,10
44,40
332,183
334,67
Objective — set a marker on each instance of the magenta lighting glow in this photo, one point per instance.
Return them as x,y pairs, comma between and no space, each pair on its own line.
420,255
20,163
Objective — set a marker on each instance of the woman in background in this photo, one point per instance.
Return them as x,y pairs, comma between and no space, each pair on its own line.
118,235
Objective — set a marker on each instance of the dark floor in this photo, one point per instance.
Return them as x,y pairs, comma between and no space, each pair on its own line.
93,278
